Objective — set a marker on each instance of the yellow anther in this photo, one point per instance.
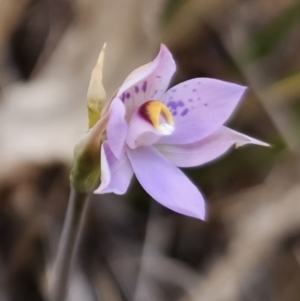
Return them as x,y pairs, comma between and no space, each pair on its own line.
154,109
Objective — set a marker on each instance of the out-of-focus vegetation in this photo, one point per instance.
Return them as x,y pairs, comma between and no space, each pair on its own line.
134,249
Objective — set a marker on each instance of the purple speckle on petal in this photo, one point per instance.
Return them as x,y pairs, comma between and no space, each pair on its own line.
184,112
190,100
199,83
199,98
127,95
174,113
173,105
158,76
180,103
136,89
173,90
123,97
206,104
144,87
184,86
194,90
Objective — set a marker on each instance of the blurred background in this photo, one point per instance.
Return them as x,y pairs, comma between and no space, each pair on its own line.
132,248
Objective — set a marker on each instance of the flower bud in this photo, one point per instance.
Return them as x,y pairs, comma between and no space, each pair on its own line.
96,95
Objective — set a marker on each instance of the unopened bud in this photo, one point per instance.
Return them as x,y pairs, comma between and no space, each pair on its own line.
96,95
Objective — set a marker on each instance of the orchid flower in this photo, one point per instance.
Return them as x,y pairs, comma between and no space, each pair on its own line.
151,131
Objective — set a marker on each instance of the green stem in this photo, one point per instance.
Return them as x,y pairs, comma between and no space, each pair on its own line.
77,207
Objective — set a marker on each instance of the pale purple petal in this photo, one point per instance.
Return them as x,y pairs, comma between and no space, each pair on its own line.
115,174
141,131
165,182
117,127
200,106
207,149
147,82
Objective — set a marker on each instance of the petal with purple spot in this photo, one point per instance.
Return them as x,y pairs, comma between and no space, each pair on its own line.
147,82
200,106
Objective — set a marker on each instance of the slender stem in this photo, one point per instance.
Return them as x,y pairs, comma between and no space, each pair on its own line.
77,207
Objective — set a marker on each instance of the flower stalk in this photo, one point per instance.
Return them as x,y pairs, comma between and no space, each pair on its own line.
68,245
